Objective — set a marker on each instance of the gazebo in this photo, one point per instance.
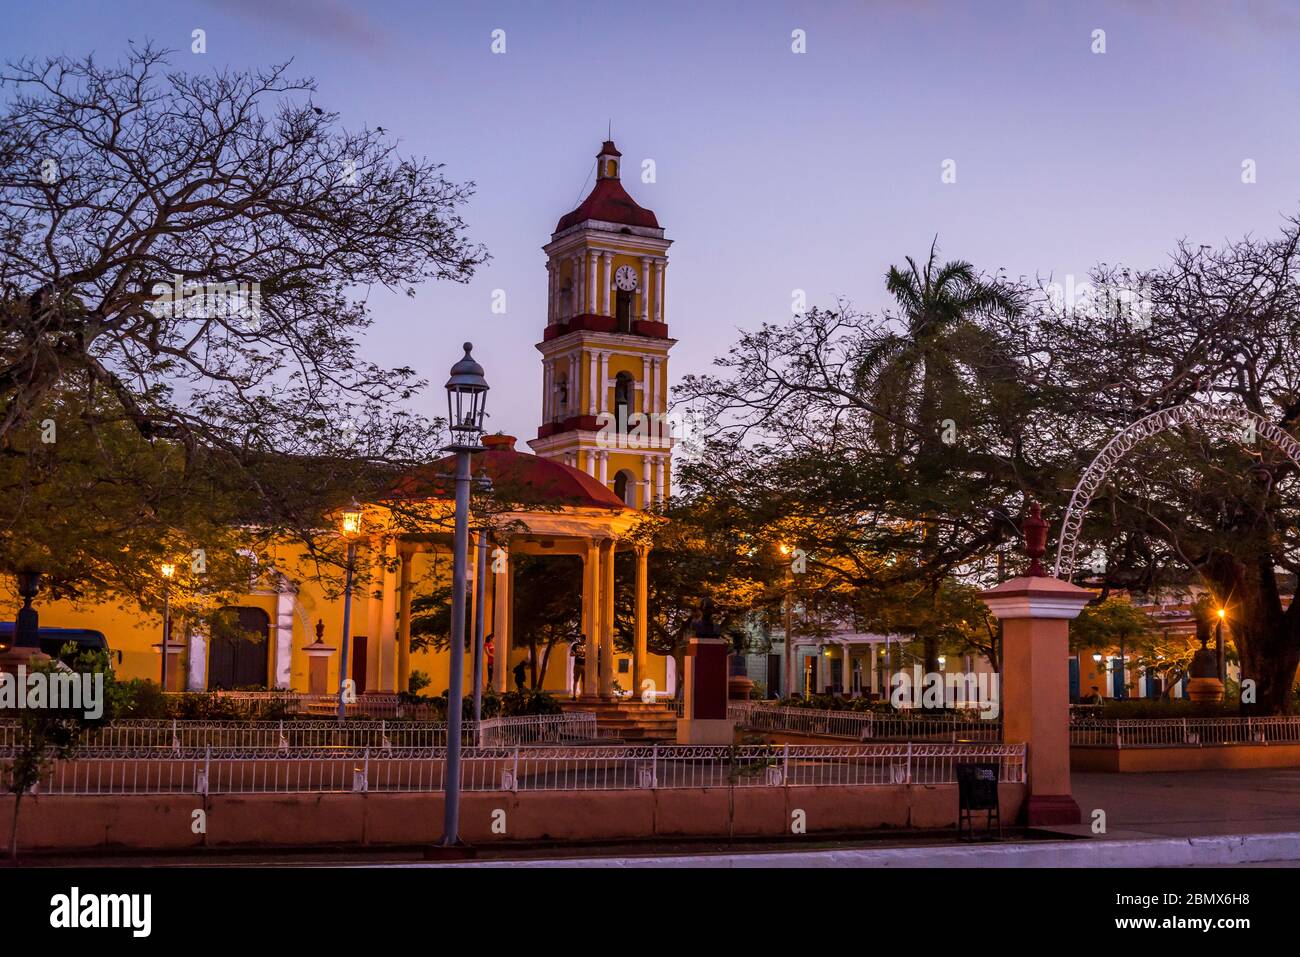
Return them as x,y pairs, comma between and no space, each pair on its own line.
550,509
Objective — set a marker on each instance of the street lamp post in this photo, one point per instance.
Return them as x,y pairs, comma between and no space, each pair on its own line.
168,570
466,404
1219,649
351,523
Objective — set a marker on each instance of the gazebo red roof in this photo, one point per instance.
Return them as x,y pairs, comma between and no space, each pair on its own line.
518,476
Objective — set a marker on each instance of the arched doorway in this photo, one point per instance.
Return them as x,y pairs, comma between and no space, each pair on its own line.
237,649
625,487
624,385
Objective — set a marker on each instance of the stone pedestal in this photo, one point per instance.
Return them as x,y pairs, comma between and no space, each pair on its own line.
318,665
704,710
175,673
1035,612
13,656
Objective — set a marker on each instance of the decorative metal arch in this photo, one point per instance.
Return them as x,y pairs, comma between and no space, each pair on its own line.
1191,413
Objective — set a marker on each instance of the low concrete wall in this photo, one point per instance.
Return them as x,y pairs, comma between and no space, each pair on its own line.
1209,757
162,822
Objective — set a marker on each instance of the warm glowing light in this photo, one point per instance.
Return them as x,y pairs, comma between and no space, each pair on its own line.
351,519
167,569
942,661
1097,657
785,549
1222,613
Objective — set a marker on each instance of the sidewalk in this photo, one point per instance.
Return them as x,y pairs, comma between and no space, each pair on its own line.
1179,819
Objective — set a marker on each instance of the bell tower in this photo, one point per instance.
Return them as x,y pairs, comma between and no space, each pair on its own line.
605,347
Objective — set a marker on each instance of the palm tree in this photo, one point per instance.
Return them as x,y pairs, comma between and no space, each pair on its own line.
926,374
911,375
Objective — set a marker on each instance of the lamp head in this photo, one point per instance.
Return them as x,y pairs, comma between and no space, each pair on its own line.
350,519
466,400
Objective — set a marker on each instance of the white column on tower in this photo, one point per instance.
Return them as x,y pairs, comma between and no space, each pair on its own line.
604,467
660,265
606,282
591,390
604,383
645,288
550,292
660,491
547,392
576,307
595,282
645,385
652,385
645,491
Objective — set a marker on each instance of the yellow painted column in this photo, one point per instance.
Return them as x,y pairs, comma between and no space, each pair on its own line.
472,605
404,622
607,619
639,629
501,619
591,618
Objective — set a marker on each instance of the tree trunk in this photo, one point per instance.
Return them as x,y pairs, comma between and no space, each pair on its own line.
540,676
13,829
1266,637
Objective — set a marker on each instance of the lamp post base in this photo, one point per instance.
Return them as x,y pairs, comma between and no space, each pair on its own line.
1048,810
449,852
706,731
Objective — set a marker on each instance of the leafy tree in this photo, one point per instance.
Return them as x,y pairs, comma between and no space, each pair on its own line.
1215,506
184,260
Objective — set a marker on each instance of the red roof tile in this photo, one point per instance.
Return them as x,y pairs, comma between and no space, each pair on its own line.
516,476
610,203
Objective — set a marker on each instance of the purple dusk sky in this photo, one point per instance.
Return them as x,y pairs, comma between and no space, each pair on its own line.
775,171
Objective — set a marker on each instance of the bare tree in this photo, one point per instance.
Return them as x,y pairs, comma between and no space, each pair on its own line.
191,255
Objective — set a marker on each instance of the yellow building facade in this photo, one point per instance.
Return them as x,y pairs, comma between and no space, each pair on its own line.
605,369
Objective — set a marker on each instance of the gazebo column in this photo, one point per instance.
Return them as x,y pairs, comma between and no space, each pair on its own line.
501,601
846,670
639,629
472,602
607,619
404,620
590,618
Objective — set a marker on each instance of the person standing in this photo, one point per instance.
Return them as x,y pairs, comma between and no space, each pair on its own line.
579,667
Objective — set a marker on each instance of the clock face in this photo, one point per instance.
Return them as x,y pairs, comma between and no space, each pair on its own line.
625,278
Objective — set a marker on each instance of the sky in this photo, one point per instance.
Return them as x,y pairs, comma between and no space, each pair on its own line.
775,170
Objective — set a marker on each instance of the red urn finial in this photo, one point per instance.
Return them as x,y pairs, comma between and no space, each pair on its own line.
1035,531
320,631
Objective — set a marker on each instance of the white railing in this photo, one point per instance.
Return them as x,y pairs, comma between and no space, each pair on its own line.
537,729
225,771
177,735
1174,732
865,725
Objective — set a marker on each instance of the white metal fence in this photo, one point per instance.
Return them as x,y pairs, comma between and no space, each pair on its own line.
227,771
175,736
1170,732
865,725
537,729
